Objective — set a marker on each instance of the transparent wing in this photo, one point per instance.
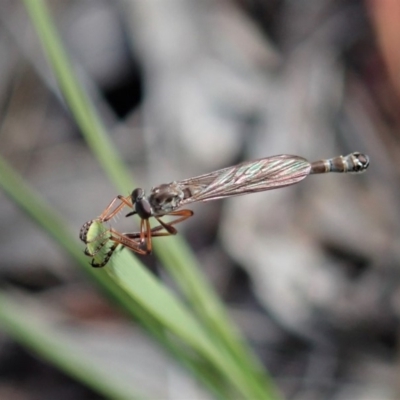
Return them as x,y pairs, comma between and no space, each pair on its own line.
247,177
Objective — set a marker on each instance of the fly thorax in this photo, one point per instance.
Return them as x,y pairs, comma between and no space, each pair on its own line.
165,198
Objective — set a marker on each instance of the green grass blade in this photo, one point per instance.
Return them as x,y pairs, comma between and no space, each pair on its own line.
138,284
58,350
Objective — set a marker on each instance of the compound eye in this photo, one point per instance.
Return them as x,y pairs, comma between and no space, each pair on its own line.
137,194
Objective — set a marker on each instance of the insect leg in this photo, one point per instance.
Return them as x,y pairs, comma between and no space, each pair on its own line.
183,214
106,215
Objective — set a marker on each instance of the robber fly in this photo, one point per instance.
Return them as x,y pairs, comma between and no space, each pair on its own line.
247,177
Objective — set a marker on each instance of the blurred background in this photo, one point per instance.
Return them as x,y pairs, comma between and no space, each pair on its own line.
310,273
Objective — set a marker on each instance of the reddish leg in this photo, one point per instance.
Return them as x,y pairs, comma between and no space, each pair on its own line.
106,215
146,233
170,230
183,214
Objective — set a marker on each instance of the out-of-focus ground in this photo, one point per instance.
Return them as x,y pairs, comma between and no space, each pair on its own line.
311,273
